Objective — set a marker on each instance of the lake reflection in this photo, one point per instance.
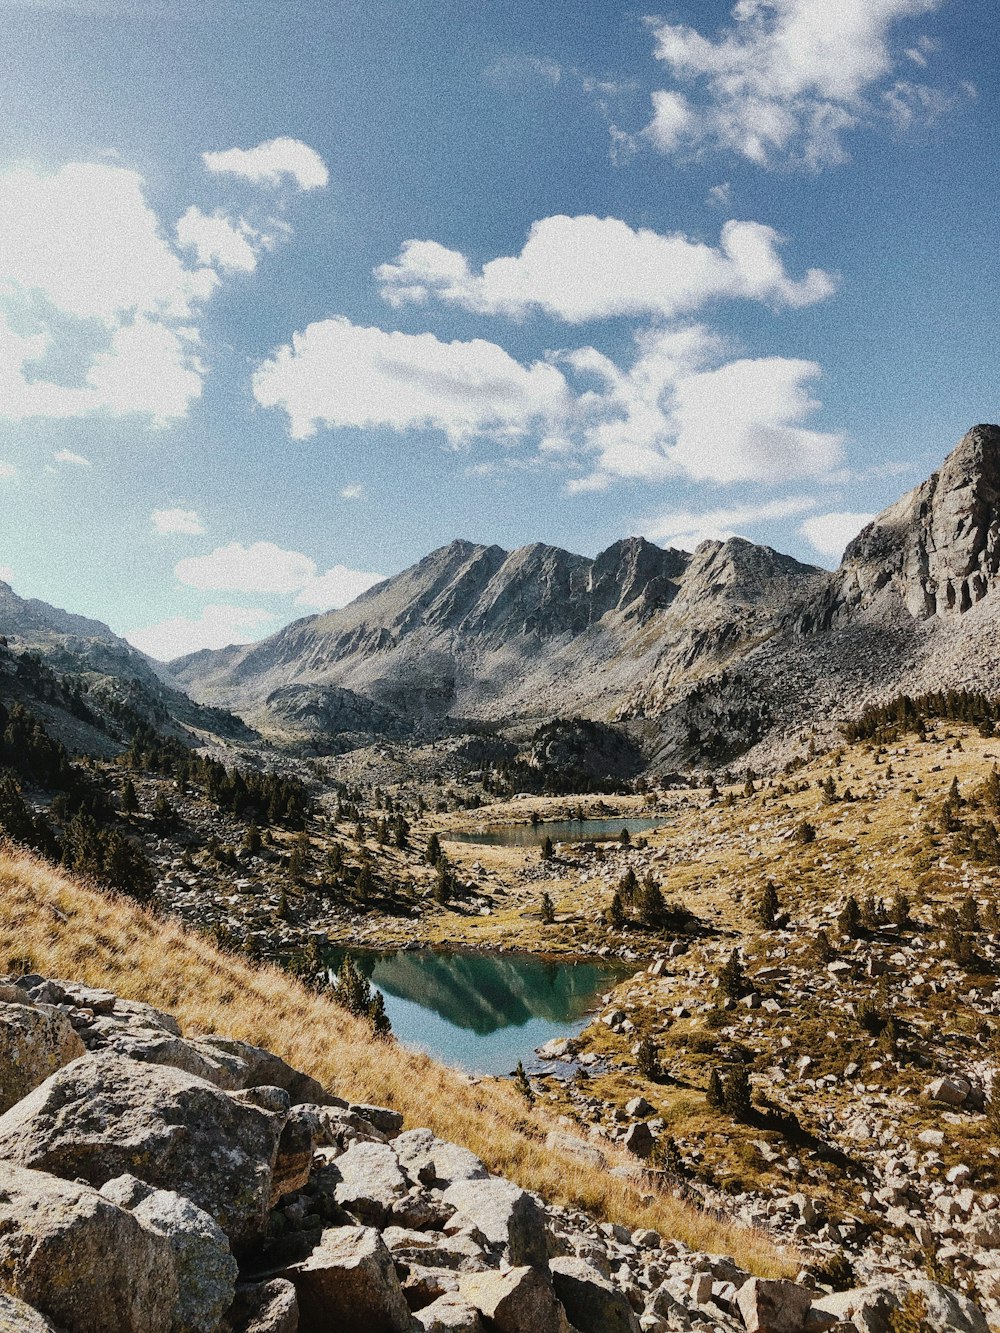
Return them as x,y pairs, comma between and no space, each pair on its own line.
559,830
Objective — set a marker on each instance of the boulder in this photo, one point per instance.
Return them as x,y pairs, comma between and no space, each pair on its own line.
952,1090
205,1268
349,1283
16,1317
259,1068
867,1308
944,1310
508,1218
35,1041
385,1121
428,1159
639,1139
108,1116
293,1160
773,1305
79,1259
518,1300
263,1307
371,1182
557,1141
450,1314
592,1303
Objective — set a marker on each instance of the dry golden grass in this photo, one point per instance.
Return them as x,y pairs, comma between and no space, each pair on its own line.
56,926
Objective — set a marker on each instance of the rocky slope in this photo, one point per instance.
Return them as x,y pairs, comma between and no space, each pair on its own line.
702,656
152,1183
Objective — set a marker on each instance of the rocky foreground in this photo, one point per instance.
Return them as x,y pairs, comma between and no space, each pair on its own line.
153,1183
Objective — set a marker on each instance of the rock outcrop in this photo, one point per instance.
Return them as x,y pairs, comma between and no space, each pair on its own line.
233,1210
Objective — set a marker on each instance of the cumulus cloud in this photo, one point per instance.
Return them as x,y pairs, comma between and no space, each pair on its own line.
271,163
182,521
336,373
687,529
216,627
353,492
337,587
68,456
217,239
783,82
261,568
581,268
86,273
829,534
267,568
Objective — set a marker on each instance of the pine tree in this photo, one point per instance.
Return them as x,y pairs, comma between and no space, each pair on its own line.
130,801
647,1060
522,1083
616,913
715,1094
732,979
433,853
849,919
737,1099
548,910
547,848
768,906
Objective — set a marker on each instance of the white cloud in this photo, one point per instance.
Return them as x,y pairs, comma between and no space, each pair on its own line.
337,587
86,273
682,409
580,268
686,529
183,521
216,239
215,627
830,533
783,83
7,471
261,568
337,373
68,456
269,163
353,492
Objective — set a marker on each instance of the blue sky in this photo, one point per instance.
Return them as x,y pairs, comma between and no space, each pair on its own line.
291,294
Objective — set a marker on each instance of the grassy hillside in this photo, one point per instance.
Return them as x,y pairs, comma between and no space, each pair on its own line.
54,925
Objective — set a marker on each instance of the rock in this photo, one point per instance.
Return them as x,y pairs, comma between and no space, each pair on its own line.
263,1307
519,1300
35,1041
450,1314
349,1283
205,1268
387,1122
867,1308
98,1118
371,1182
556,1141
16,1317
952,1090
261,1068
79,1259
506,1215
773,1305
945,1311
427,1158
592,1303
638,1108
293,1160
639,1139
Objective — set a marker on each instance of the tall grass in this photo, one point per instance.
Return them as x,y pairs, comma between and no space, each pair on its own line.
54,925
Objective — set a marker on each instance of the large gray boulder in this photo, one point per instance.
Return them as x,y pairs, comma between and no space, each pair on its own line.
944,1310
773,1305
16,1317
450,1314
256,1068
35,1041
371,1182
431,1160
263,1307
81,1260
591,1302
108,1116
349,1283
509,1218
518,1300
205,1268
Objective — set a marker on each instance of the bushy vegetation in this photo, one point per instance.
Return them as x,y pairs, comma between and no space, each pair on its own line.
885,722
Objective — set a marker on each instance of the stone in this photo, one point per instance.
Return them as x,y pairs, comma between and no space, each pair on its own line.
35,1041
773,1305
637,1108
263,1307
556,1141
866,1308
349,1283
952,1090
16,1317
79,1259
519,1300
293,1160
107,1116
945,1310
203,1263
371,1182
592,1304
508,1218
260,1068
427,1158
387,1122
639,1139
450,1314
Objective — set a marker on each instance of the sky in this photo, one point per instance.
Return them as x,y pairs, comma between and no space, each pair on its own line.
293,293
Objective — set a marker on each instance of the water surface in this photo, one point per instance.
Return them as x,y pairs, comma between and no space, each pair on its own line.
559,830
482,1012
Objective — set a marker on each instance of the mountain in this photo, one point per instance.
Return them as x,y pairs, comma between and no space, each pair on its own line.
115,673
